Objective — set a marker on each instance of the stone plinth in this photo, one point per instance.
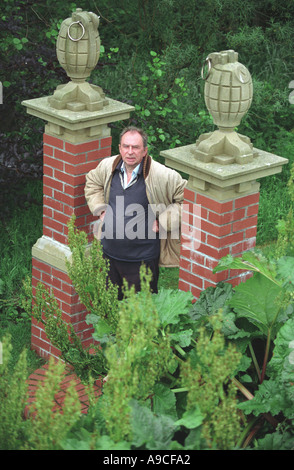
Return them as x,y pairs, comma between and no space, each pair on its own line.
74,126
220,213
74,144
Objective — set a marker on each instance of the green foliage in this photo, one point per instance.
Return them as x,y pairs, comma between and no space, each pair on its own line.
206,375
158,96
139,347
48,424
13,390
285,242
88,271
45,309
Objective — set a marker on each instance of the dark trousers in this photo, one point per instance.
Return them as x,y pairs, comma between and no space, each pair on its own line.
119,270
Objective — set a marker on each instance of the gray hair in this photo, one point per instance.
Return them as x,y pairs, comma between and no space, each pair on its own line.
135,129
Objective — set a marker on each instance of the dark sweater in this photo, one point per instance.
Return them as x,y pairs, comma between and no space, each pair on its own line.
127,229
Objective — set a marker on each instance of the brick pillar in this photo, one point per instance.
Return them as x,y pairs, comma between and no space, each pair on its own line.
74,143
220,213
65,168
211,230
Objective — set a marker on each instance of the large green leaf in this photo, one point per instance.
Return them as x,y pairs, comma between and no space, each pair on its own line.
276,395
257,300
250,261
191,418
285,270
211,300
281,364
171,304
164,401
149,430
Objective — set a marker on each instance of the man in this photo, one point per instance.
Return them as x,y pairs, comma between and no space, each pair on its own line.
138,203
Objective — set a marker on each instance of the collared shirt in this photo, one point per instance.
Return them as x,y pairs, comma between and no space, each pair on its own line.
124,180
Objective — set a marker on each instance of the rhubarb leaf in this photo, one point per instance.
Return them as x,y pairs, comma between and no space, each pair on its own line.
257,300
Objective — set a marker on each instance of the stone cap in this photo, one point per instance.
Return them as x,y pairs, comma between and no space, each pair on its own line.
77,126
223,182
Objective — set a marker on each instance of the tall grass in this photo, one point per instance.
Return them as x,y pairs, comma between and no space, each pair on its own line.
19,231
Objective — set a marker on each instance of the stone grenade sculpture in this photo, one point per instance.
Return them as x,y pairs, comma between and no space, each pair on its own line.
228,95
78,51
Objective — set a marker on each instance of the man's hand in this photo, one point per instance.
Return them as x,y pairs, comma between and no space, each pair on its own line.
155,226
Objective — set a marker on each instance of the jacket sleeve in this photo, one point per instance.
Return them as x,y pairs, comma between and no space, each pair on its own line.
170,218
95,189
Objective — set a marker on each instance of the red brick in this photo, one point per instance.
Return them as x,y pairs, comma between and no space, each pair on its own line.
224,241
47,191
41,266
246,200
47,211
54,141
187,218
71,180
214,252
82,147
190,278
90,218
196,292
51,203
35,331
36,273
65,297
211,204
38,342
60,217
82,210
211,263
246,223
209,284
37,324
54,351
53,162
67,288
47,232
208,274
252,210
48,171
79,169
183,286
72,190
218,230
59,238
98,154
81,327
61,197
46,279
47,150
52,183
251,232
222,219
106,142
185,264
52,224
73,159
189,195
61,275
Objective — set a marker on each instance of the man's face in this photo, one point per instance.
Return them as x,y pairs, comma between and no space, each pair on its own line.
132,149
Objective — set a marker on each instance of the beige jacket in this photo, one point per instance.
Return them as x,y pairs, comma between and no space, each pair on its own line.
165,193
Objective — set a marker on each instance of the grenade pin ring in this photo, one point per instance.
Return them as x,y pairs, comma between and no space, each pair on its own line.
83,31
208,63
